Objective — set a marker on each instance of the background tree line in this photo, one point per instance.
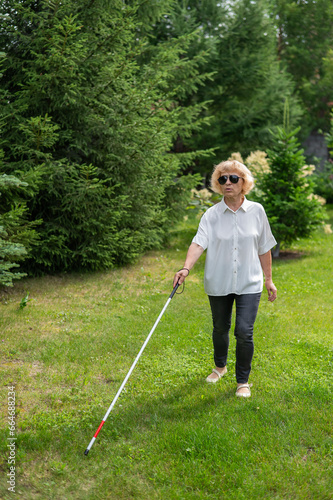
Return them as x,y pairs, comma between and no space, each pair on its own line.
111,111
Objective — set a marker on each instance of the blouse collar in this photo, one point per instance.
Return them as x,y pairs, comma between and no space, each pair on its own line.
244,206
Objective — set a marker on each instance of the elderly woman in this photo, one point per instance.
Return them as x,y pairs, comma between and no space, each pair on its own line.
238,239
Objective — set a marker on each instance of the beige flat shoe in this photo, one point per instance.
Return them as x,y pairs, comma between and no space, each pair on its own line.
246,394
219,376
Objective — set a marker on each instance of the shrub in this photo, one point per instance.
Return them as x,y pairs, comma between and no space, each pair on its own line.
287,193
323,181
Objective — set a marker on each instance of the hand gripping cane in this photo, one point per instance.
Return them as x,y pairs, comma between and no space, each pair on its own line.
130,371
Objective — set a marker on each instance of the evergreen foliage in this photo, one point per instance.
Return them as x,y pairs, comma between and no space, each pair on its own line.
91,111
16,233
286,193
105,104
248,88
305,38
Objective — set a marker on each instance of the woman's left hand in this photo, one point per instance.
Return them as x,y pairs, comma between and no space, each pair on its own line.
271,289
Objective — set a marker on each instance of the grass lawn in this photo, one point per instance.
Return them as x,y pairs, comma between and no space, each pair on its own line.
170,436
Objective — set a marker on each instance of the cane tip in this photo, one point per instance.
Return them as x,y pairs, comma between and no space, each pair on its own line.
86,452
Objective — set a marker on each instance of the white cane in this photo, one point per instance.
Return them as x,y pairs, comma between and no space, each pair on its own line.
130,371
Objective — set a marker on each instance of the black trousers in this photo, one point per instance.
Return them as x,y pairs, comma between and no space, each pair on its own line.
246,313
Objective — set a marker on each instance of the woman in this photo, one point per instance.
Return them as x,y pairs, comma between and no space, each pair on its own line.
238,239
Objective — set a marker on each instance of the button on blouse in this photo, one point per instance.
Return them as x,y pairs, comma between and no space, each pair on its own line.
234,241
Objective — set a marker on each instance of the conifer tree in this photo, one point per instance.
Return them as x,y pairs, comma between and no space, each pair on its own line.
91,111
251,87
17,234
304,41
287,193
248,88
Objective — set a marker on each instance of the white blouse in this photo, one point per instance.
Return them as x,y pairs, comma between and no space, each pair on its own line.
234,241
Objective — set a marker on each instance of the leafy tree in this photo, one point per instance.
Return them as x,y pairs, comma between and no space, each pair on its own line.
287,193
91,110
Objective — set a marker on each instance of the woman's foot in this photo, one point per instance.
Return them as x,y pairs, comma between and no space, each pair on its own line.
243,390
216,374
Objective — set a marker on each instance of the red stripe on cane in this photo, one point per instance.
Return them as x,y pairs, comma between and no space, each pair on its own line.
99,428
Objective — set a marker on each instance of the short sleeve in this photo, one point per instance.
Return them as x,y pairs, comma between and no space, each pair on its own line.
266,240
201,238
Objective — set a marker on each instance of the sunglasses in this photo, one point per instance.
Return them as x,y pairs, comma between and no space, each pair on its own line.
233,178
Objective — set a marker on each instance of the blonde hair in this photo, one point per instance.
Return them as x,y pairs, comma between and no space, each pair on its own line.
232,166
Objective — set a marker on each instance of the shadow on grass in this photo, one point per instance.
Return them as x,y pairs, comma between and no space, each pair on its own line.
192,414
173,413
290,255
188,400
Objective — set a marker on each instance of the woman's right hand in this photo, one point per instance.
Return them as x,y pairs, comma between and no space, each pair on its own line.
180,277
193,254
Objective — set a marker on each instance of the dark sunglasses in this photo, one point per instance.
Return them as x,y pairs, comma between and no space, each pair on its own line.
233,178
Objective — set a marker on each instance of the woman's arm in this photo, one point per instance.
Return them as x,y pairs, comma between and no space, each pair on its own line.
266,264
193,254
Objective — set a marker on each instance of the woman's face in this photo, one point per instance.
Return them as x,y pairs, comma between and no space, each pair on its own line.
229,189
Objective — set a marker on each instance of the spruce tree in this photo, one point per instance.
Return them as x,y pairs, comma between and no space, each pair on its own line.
17,234
287,193
304,41
250,87
91,111
246,92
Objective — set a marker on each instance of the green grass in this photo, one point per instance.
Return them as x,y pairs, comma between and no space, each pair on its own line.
170,435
